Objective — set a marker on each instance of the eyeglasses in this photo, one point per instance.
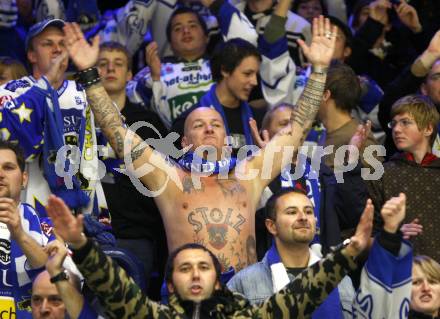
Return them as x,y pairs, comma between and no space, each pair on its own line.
404,123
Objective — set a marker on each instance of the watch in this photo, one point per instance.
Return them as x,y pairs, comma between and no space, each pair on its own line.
61,276
342,245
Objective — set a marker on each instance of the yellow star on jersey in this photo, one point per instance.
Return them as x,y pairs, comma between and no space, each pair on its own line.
23,113
4,134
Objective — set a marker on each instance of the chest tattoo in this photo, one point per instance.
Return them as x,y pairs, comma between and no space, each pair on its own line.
188,186
218,224
230,187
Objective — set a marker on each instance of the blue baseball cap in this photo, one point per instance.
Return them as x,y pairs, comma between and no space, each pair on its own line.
39,27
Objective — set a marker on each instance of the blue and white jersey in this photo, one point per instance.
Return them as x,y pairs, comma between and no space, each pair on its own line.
296,28
17,275
49,9
25,105
385,289
182,83
127,25
278,73
181,86
8,13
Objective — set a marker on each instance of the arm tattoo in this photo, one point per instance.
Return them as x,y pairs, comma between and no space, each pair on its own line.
309,102
108,118
118,144
137,151
105,113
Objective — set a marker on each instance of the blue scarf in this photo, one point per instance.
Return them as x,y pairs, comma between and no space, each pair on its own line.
278,272
210,100
53,141
193,163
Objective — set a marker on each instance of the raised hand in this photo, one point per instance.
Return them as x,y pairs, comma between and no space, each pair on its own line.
260,140
153,61
320,51
10,216
379,10
434,45
80,51
393,213
358,140
359,242
57,252
409,17
67,226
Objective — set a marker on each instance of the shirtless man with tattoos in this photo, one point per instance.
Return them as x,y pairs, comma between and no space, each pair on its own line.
220,211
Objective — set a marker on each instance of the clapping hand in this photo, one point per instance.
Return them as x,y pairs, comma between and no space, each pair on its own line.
393,213
357,141
361,239
412,229
153,61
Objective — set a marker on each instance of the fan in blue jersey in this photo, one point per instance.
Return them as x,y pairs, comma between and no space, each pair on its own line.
44,113
21,237
176,83
234,66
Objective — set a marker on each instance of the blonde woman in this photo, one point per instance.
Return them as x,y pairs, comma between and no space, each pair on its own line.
425,295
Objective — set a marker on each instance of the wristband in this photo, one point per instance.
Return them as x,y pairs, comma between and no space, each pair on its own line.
342,245
319,69
61,276
87,77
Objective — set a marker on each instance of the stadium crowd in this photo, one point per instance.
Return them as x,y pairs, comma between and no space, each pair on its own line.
219,159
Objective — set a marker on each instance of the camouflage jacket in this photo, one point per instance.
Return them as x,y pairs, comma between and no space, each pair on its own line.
122,298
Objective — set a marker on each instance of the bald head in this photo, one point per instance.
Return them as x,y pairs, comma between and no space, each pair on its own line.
201,113
204,126
46,302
